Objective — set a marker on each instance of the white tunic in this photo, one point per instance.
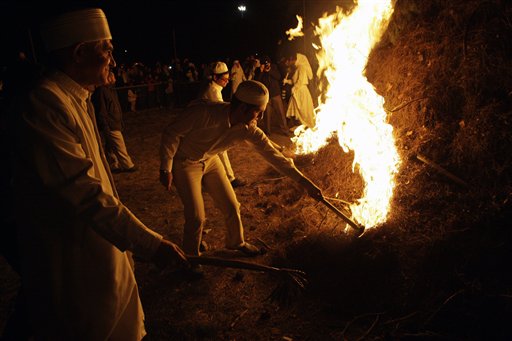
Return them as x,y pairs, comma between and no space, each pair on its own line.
213,92
73,230
204,130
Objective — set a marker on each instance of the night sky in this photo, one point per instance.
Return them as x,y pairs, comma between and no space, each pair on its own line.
203,30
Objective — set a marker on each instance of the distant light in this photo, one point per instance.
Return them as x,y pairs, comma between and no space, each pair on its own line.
242,8
125,51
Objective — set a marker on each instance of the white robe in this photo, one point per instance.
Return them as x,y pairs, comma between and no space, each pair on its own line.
73,229
237,77
300,105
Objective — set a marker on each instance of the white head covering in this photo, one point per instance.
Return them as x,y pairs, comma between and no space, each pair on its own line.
302,61
219,68
75,27
252,92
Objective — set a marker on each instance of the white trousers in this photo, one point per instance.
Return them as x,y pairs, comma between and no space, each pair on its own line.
227,165
189,179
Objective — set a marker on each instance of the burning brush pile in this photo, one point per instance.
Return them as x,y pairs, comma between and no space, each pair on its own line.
413,141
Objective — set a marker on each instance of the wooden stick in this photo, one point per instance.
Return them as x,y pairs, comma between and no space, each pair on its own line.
238,264
353,224
442,170
340,200
263,243
238,318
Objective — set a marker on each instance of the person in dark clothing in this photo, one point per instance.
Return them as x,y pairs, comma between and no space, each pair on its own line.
109,117
270,76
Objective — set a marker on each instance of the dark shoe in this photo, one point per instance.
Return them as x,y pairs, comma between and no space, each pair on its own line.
249,250
238,183
124,170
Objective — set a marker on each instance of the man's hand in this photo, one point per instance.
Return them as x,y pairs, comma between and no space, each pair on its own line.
313,191
169,253
166,179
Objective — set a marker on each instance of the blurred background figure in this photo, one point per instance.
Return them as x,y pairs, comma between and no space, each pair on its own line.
109,117
270,76
220,78
237,76
252,66
300,105
132,99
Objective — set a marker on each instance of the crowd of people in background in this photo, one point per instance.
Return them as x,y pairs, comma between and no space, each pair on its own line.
164,85
141,86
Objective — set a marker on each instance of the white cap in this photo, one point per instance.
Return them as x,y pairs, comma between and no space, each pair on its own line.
75,27
219,68
252,92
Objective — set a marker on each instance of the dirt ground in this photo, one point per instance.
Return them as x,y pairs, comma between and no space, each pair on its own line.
227,303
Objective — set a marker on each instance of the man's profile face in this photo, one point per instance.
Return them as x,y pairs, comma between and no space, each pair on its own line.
252,114
222,80
98,61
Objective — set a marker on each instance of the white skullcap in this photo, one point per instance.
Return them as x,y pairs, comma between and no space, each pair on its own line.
220,67
70,28
252,92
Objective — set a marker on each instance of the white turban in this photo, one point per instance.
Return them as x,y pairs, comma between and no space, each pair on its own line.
75,27
220,68
252,92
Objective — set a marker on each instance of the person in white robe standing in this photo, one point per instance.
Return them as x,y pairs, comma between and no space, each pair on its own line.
300,105
237,76
75,235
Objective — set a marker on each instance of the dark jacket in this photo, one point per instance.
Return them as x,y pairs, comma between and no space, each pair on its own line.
272,80
109,115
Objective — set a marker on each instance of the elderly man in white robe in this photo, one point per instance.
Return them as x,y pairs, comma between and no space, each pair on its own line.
189,157
74,232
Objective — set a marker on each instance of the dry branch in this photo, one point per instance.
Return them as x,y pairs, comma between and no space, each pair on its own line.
403,105
232,325
442,170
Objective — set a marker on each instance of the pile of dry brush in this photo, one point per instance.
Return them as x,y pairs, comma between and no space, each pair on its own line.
438,266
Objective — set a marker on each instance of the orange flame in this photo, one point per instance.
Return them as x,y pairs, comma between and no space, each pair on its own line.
297,31
351,107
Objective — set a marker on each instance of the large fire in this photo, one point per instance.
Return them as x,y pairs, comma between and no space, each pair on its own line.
350,107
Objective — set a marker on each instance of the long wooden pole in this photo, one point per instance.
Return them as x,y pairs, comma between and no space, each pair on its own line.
353,224
441,170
